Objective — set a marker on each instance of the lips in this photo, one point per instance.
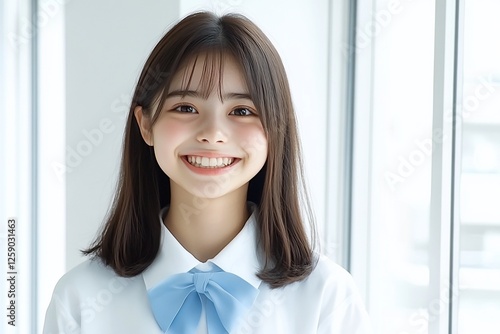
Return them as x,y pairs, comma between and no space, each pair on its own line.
209,162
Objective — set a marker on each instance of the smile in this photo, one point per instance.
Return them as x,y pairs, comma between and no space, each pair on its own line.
206,162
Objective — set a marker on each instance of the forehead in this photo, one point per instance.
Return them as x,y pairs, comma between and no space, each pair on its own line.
211,72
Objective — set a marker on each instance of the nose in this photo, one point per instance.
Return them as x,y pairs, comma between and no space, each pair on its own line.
211,130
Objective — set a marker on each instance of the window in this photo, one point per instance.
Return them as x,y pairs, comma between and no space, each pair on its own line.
392,160
426,174
16,167
479,265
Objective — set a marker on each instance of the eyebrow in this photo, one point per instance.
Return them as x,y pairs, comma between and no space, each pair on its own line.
194,93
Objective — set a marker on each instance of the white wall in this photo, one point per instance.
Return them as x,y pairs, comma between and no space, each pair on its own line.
90,56
107,43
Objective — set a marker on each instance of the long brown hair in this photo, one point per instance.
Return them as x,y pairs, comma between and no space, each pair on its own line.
130,238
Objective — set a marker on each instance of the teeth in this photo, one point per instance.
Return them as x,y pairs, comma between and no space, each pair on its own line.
205,162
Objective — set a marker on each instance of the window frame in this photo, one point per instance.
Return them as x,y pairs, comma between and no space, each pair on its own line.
444,218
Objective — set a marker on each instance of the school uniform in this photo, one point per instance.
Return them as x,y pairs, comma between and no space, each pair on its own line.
92,299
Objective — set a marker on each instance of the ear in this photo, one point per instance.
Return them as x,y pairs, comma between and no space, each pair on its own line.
144,125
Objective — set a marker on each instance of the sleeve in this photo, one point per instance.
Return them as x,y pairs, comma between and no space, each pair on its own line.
343,310
58,319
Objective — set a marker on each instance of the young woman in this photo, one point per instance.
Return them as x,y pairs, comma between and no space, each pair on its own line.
206,233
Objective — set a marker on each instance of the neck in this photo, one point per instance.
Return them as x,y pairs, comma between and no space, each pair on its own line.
205,226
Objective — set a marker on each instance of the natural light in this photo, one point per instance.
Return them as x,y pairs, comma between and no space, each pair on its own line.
398,105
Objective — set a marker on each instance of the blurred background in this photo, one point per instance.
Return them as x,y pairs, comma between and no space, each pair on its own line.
399,112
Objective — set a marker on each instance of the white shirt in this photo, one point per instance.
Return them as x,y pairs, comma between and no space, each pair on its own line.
92,299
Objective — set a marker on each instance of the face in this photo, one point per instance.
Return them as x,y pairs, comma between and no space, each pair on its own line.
208,147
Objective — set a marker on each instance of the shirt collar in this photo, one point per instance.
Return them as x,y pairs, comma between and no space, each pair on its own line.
240,257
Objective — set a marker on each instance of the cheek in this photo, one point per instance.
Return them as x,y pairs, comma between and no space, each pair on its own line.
167,136
253,140
168,132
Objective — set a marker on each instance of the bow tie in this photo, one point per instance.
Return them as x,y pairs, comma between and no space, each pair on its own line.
177,301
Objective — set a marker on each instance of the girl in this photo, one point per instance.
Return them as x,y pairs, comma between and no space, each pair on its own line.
205,234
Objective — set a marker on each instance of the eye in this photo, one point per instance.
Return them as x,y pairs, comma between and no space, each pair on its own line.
186,109
241,112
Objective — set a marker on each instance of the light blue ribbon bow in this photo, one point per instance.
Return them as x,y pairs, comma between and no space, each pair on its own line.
177,301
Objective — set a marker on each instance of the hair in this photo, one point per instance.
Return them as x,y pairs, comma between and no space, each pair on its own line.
130,238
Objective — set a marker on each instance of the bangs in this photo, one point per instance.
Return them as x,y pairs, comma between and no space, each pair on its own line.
211,76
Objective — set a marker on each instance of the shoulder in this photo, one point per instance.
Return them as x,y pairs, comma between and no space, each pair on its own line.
328,273
326,302
89,295
70,293
340,306
328,282
330,285
89,272
89,281
325,267
88,278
